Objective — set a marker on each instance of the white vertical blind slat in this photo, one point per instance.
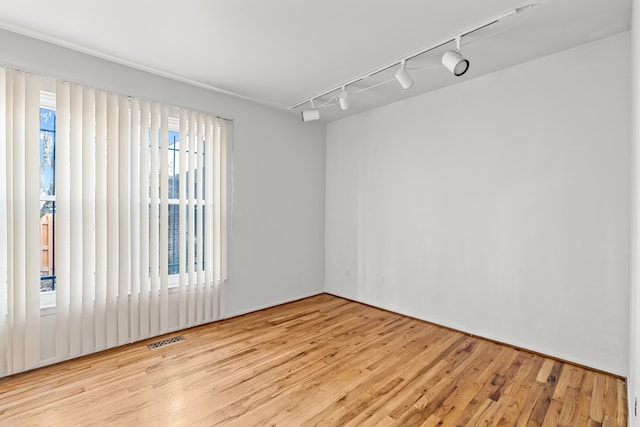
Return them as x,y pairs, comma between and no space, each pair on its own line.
102,204
134,184
32,221
153,231
18,313
216,213
144,220
63,218
191,220
112,220
75,287
88,220
209,221
4,330
123,220
222,171
164,220
184,143
200,220
9,213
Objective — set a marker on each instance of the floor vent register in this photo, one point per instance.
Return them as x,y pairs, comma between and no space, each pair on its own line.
162,343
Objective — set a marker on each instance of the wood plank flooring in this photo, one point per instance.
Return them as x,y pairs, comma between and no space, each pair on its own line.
319,361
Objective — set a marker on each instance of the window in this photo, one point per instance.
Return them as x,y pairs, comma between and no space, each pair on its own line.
47,198
108,201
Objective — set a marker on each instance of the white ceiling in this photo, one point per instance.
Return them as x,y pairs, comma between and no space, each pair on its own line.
281,52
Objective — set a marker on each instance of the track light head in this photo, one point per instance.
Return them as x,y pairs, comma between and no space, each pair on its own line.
455,62
403,77
310,115
343,98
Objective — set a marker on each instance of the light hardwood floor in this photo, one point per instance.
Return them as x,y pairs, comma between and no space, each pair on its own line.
319,361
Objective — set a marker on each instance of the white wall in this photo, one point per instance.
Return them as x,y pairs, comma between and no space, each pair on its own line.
498,206
276,227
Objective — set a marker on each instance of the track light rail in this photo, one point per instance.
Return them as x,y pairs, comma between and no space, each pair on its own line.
401,61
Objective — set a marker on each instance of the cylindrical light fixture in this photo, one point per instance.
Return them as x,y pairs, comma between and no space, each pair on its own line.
403,77
343,98
310,115
455,62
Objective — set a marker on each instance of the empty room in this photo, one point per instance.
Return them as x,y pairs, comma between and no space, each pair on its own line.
337,213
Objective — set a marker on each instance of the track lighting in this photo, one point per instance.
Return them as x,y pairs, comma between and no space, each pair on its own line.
343,98
451,60
454,61
403,77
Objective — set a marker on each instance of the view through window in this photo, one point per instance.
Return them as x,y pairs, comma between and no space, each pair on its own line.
48,201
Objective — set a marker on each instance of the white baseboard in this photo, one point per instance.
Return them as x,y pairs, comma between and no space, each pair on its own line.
272,304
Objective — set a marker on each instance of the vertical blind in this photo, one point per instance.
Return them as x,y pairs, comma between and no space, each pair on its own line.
117,212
